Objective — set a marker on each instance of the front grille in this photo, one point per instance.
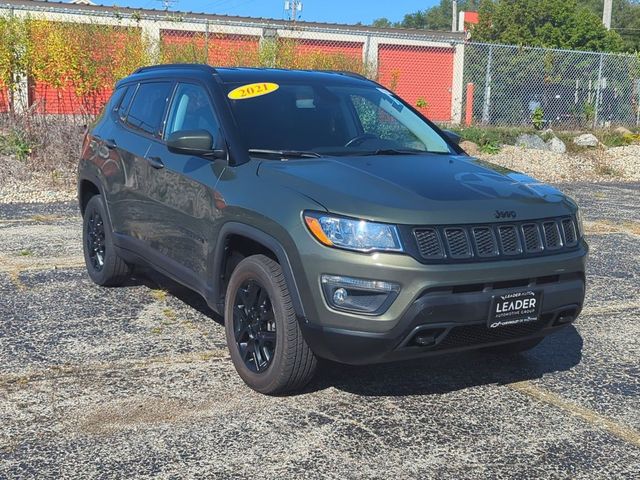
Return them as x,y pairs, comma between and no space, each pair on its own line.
569,230
532,240
552,238
486,242
458,243
510,240
429,243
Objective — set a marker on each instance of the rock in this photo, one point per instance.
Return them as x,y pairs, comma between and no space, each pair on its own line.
471,148
586,140
622,131
530,141
554,144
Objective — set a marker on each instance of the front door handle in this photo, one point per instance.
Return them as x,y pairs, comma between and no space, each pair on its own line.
155,162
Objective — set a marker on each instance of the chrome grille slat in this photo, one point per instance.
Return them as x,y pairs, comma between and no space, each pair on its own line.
506,240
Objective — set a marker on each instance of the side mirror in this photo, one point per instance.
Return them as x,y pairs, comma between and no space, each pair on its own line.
452,136
193,142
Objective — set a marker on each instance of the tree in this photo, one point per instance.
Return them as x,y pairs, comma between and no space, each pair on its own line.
382,23
437,17
625,19
544,23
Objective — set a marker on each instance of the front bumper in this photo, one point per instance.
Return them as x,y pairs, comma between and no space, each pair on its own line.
446,305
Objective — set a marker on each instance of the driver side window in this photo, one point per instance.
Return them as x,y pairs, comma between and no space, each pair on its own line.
376,121
191,110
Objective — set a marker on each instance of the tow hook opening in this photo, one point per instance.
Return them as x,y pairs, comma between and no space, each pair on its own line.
566,316
426,338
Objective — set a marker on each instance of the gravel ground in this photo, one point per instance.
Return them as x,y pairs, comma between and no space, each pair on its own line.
618,164
135,382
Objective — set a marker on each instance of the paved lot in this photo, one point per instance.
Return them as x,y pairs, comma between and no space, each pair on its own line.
136,381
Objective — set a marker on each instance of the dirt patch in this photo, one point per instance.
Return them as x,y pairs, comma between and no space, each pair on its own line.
608,226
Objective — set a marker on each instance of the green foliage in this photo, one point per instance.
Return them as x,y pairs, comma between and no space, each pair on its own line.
589,112
544,23
422,103
437,17
382,23
490,148
490,137
537,118
625,19
13,35
16,142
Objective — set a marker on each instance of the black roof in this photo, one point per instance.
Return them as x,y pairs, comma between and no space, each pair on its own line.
246,74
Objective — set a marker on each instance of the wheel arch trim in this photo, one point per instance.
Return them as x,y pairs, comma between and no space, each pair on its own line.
266,240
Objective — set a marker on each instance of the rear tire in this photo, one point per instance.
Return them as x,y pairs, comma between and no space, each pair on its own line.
263,335
515,347
104,265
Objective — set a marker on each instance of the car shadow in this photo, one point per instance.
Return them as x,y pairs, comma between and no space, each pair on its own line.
157,281
440,374
558,352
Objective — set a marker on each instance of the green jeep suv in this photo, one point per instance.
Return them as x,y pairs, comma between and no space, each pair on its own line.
323,217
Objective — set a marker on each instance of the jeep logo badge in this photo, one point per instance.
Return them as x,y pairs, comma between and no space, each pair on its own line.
505,214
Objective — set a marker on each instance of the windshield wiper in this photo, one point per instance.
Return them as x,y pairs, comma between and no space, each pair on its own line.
398,151
285,153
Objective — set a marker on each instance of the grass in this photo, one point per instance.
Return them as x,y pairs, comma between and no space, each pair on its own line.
491,137
159,295
26,253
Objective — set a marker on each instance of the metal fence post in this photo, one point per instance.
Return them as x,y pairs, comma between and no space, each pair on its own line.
598,92
487,88
206,42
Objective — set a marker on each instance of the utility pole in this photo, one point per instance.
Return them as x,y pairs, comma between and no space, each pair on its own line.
293,7
606,13
454,16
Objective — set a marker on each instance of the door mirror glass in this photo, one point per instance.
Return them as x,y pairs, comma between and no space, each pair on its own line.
191,142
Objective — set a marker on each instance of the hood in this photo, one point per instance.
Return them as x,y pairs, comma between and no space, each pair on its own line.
418,189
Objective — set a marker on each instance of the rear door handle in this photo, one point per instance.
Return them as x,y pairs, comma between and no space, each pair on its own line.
155,162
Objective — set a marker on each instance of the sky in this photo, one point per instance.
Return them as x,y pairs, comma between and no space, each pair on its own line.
333,11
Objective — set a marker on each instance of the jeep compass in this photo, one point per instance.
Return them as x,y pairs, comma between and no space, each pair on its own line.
323,217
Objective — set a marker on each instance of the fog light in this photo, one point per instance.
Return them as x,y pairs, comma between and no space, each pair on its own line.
370,297
339,296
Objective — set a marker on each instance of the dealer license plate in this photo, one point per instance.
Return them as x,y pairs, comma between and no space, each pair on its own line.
515,308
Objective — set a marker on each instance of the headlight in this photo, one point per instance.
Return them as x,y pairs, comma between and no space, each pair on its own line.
580,222
353,234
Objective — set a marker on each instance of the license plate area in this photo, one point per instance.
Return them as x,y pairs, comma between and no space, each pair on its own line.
515,308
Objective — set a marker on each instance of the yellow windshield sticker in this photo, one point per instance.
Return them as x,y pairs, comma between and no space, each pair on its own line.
252,90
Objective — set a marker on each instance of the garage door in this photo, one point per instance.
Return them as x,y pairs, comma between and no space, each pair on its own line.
423,76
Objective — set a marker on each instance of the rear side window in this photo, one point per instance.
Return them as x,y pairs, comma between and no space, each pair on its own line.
148,106
126,101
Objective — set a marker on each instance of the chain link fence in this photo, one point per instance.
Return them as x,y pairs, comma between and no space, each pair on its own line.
507,85
70,57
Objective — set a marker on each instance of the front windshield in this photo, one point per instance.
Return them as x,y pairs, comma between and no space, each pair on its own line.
331,120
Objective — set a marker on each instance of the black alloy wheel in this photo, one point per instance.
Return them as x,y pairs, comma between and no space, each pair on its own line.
254,326
96,240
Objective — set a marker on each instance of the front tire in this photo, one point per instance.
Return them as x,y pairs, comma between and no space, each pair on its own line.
104,265
263,335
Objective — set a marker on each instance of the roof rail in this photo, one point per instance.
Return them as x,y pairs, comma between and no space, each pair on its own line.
344,72
199,66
